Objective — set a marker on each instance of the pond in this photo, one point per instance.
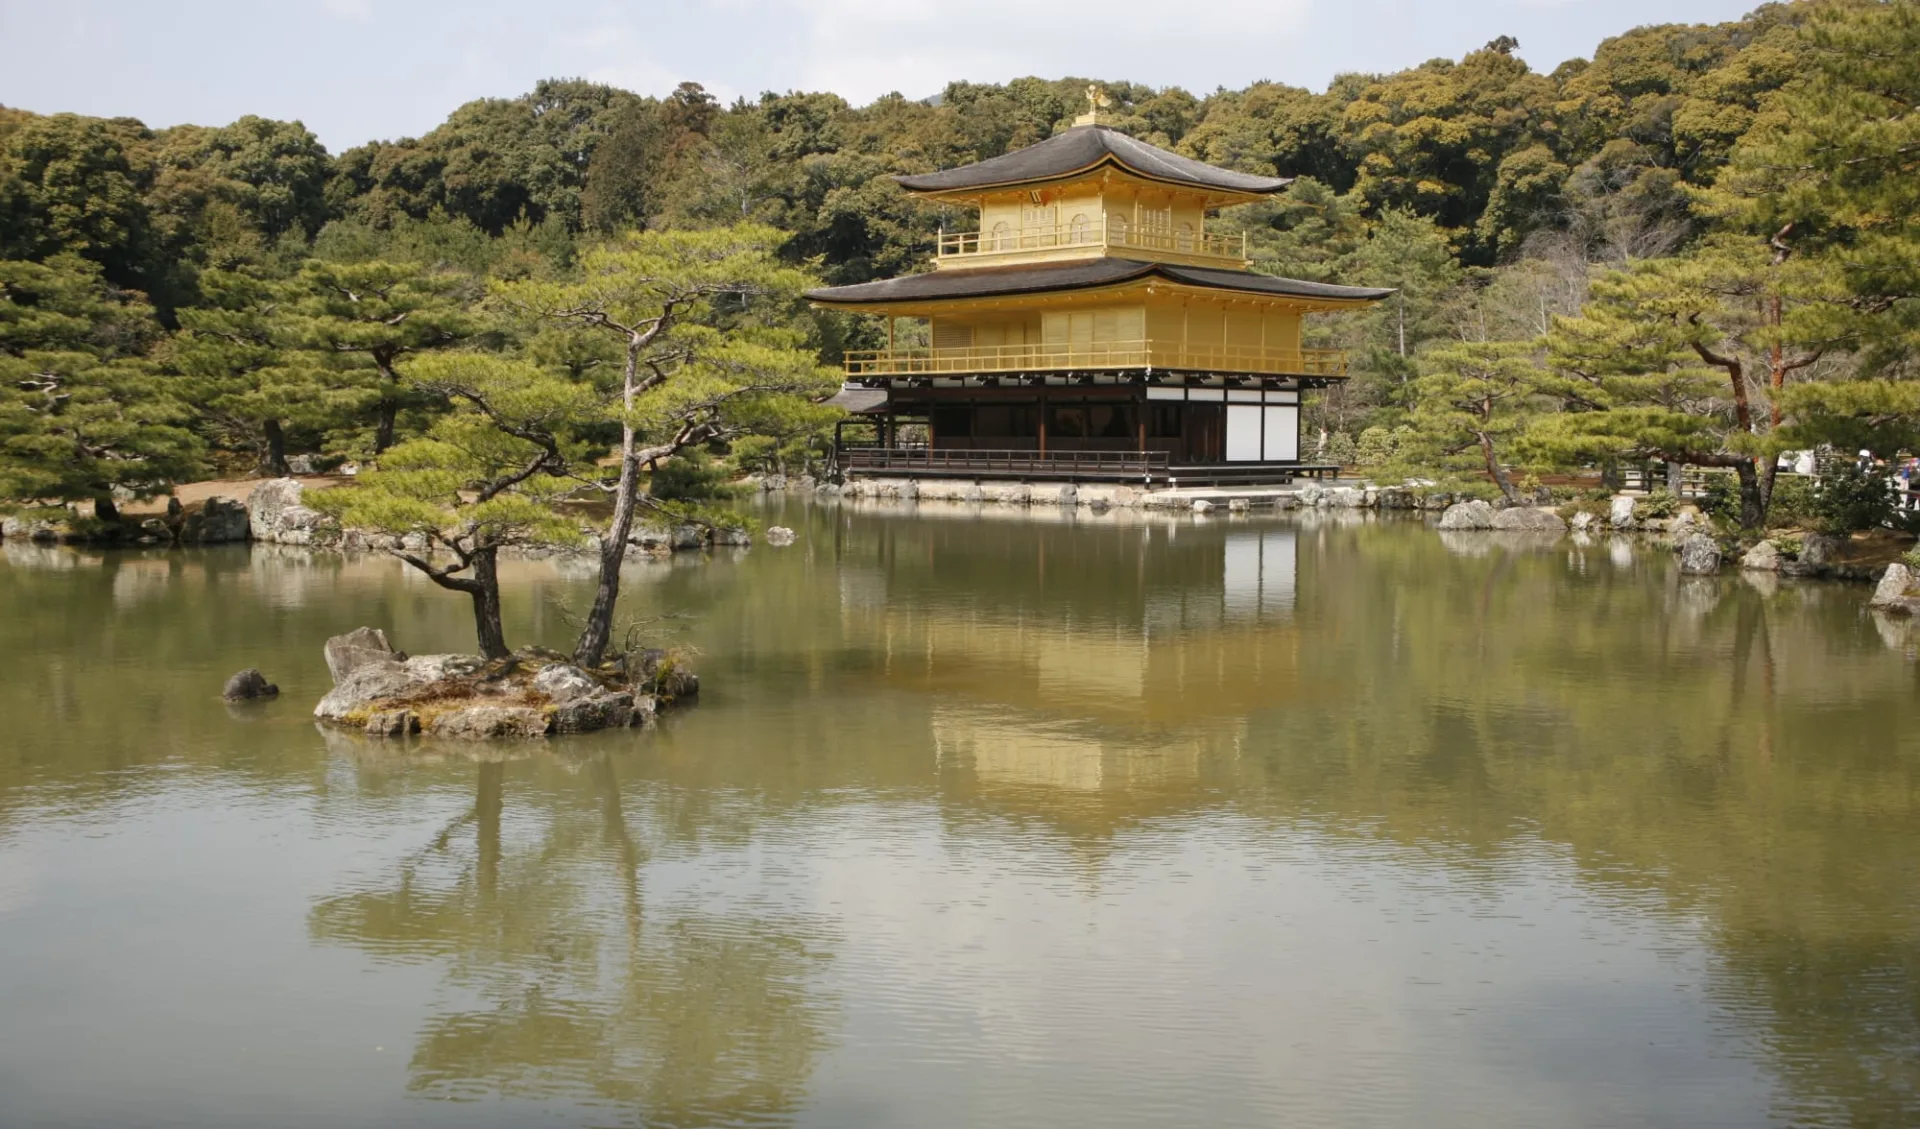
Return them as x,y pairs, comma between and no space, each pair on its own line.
1002,819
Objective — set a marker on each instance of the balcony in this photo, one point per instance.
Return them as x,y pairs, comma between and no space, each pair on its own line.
1106,235
1097,355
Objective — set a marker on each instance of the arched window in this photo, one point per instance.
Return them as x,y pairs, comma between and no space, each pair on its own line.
1000,238
1077,229
1116,228
1183,238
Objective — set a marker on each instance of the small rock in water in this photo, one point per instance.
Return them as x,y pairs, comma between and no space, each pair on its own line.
1620,512
248,684
780,536
1239,505
1582,521
1201,505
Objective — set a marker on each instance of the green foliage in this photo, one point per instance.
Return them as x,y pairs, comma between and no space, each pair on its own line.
706,328
361,322
1659,503
249,388
1837,157
1473,401
693,476
1375,447
83,413
1484,193
1848,499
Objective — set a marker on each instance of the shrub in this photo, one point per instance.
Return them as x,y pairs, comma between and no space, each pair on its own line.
1850,499
1340,449
1376,447
1660,503
1792,500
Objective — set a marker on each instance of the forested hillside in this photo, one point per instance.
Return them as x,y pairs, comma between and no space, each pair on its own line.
1641,254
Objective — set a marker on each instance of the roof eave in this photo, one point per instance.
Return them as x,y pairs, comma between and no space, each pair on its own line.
1228,195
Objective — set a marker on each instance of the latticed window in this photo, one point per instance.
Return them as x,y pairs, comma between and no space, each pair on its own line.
1078,228
1000,238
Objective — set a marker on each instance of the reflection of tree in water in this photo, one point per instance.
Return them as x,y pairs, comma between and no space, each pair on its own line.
564,985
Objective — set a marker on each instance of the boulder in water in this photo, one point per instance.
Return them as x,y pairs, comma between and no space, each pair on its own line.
216,522
1528,519
780,536
247,685
277,514
1764,557
1699,555
1891,593
1620,512
1475,514
1817,550
357,648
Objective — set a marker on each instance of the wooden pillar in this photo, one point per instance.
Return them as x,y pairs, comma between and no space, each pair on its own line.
1042,409
1144,405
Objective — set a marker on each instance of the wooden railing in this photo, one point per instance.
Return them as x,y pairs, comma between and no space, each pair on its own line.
1059,356
1143,465
1103,232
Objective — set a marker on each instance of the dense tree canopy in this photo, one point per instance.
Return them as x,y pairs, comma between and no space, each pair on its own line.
1750,182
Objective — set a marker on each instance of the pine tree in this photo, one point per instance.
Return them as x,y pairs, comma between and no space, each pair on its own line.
1689,359
374,316
1474,400
489,474
82,412
248,387
701,324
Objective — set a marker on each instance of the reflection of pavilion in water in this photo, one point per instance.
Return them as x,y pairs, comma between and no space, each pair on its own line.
1121,696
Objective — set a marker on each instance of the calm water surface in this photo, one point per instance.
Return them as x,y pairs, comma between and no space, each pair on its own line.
983,820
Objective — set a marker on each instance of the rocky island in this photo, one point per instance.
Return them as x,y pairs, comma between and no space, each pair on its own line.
532,692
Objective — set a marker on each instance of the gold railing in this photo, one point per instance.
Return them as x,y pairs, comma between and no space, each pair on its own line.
1097,355
1105,232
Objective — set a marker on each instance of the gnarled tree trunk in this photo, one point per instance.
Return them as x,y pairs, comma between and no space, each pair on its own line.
485,591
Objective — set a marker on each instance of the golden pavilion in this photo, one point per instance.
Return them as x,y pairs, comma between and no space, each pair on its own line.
1091,328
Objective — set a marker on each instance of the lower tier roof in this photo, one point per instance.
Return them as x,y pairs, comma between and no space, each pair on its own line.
989,282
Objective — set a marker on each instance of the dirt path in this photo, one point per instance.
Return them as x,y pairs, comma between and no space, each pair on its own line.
193,493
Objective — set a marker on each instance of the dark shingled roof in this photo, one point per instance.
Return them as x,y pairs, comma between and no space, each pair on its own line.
852,398
987,282
1083,147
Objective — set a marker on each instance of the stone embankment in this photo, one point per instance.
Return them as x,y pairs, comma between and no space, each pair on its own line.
1692,538
531,693
275,513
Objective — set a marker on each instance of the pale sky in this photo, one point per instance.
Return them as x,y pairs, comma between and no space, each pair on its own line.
359,70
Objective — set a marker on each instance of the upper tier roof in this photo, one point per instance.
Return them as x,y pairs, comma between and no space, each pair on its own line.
1080,149
988,282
